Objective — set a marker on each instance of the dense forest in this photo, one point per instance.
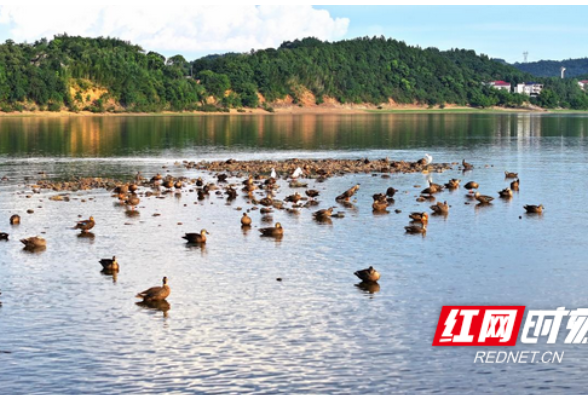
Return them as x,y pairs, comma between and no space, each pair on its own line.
107,74
549,68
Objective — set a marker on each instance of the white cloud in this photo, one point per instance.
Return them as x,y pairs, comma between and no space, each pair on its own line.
180,28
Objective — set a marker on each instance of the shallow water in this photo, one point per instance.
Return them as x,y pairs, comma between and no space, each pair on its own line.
231,327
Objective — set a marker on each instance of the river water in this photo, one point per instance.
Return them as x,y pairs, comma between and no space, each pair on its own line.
231,327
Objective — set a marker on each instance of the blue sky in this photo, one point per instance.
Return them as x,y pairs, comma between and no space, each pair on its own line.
546,32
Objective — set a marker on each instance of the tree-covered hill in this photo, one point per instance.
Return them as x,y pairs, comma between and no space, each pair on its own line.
550,68
107,74
369,70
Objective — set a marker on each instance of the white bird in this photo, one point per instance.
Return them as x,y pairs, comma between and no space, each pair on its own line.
273,174
297,173
428,159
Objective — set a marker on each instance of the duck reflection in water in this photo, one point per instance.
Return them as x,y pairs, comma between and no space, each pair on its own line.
113,274
368,287
156,305
132,213
87,236
196,247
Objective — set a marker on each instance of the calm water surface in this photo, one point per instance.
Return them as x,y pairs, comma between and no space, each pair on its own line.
231,327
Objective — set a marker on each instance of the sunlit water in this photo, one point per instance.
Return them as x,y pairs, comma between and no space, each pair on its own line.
231,326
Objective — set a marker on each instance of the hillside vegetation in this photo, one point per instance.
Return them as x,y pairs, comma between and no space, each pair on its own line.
107,74
550,68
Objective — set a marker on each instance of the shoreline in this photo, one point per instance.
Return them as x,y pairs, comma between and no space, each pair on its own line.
313,110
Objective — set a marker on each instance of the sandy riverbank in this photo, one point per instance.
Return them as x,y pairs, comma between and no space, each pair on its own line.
287,110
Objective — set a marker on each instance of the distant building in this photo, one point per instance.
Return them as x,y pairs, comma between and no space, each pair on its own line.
531,89
583,84
500,85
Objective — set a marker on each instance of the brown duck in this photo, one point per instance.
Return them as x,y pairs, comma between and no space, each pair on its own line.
419,217
312,193
466,166
245,220
345,196
482,199
3,236
157,293
85,225
471,185
122,189
435,186
109,264
505,193
510,174
514,185
294,198
133,201
368,275
323,214
440,208
168,184
267,201
380,205
533,209
430,190
35,242
274,231
390,192
15,219
196,237
380,197
453,184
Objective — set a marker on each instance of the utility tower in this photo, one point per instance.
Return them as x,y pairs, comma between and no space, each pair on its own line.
525,55
563,72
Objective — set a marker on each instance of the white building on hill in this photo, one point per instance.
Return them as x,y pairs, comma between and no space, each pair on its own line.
532,89
500,85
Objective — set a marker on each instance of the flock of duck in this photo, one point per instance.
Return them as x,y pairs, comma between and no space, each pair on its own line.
129,194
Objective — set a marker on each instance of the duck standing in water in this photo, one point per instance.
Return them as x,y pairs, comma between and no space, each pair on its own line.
245,220
85,225
194,238
369,275
157,293
466,166
274,231
133,201
514,185
109,265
